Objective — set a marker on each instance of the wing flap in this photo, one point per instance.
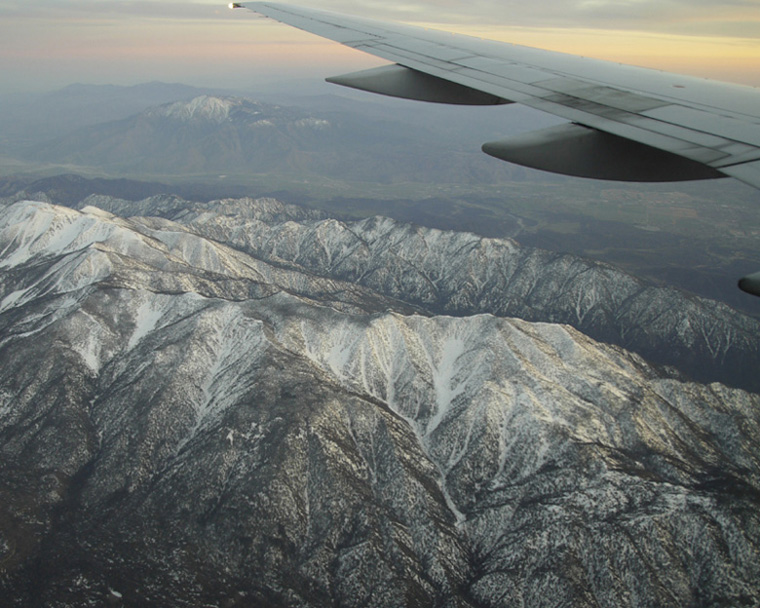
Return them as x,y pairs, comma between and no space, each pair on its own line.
749,173
700,121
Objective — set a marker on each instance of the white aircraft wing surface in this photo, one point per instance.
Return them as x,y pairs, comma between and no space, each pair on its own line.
626,123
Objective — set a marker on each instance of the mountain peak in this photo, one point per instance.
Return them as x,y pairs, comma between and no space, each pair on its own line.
204,107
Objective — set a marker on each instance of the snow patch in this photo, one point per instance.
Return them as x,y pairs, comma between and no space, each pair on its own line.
13,299
444,383
90,352
313,123
203,107
6,403
31,229
146,320
97,212
90,339
233,344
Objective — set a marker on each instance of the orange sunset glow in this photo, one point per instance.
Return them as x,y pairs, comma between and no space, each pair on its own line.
736,59
206,43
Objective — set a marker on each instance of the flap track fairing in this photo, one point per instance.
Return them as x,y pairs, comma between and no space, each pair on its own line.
398,81
572,149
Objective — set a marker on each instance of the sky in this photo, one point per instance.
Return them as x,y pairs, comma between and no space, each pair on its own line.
48,44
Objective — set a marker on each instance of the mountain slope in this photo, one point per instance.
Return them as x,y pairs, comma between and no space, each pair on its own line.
200,426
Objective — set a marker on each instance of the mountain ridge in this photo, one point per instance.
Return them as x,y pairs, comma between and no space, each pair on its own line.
247,136
446,272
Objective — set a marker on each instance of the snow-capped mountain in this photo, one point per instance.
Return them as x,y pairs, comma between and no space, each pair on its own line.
214,109
457,273
203,107
185,422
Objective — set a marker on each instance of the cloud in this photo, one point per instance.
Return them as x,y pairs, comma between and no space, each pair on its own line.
86,10
689,17
692,17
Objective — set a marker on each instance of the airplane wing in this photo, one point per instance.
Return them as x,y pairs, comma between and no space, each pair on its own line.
625,123
690,128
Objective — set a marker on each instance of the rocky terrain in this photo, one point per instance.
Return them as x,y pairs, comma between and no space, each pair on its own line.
457,273
248,404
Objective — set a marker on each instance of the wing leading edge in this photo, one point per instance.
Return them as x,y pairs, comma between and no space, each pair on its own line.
626,123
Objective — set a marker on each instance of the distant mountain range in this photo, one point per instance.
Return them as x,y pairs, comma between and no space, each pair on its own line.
220,135
28,118
41,117
252,404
